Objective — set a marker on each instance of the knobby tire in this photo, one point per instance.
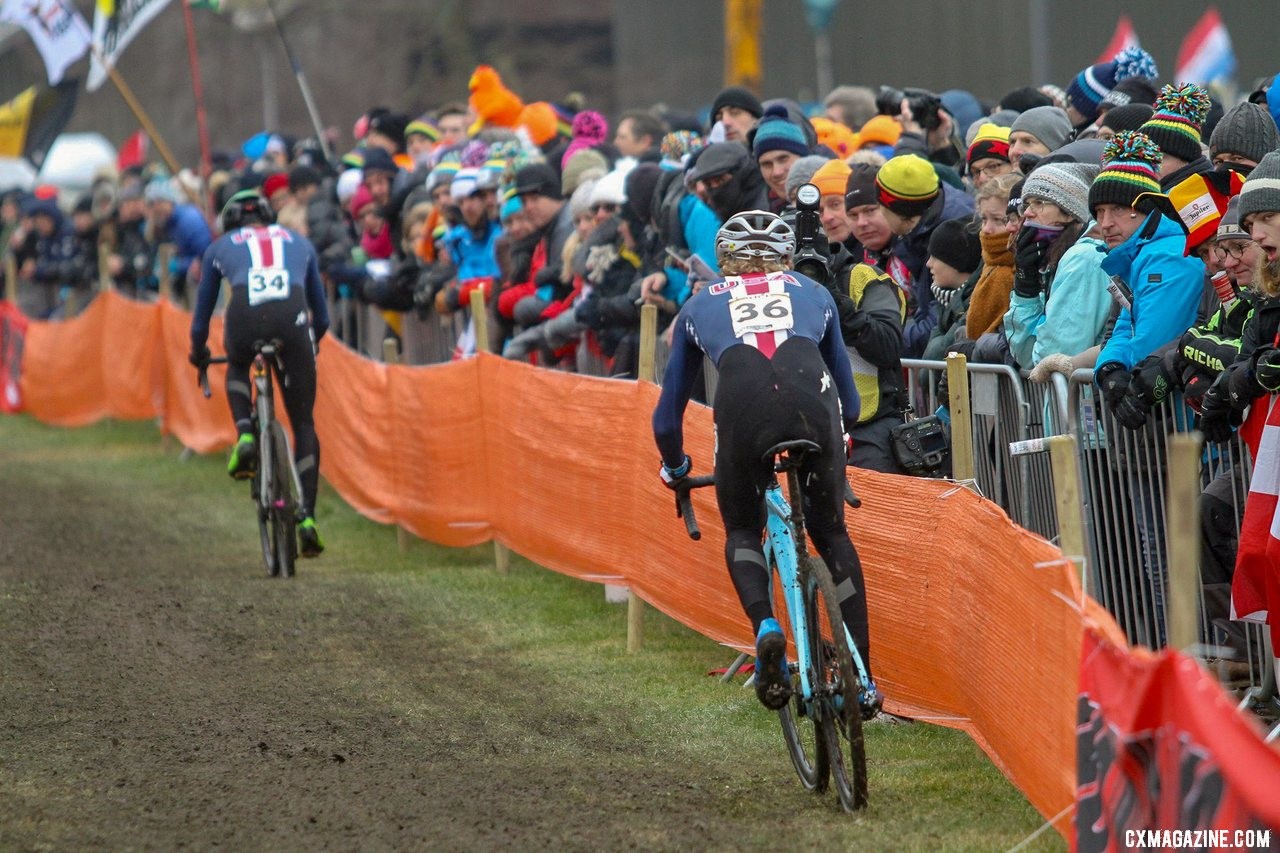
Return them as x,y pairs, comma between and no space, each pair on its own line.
839,681
284,503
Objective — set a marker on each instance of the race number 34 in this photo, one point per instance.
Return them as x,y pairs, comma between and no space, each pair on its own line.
267,284
761,312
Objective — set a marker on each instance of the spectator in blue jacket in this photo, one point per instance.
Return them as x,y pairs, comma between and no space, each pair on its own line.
181,224
53,263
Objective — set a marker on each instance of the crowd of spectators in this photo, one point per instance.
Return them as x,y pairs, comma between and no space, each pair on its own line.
1049,230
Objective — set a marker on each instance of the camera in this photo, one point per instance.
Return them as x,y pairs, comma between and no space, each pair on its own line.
923,103
920,445
808,260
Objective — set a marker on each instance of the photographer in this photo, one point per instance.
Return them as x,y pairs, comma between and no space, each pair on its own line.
927,128
870,308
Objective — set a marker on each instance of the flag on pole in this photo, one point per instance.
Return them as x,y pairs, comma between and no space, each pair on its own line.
133,152
115,25
1255,587
1206,56
31,121
1124,36
59,32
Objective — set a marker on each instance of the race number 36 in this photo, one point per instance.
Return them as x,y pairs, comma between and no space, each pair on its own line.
267,284
761,312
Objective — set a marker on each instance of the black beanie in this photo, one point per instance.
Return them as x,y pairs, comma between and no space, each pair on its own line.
1026,98
1131,90
736,96
955,243
1128,117
640,185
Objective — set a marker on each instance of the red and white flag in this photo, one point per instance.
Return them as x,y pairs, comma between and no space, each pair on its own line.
133,152
1255,589
1124,36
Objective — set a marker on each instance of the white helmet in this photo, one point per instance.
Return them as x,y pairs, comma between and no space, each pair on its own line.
755,234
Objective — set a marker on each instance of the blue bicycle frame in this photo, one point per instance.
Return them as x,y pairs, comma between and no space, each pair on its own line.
780,556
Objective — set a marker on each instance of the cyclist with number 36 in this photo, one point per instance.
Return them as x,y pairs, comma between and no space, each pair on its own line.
276,295
783,375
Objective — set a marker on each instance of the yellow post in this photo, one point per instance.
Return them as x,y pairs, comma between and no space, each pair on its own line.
742,66
164,257
1066,490
1184,540
10,277
961,425
480,317
646,373
391,355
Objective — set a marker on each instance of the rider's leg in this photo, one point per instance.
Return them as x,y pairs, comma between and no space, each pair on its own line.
299,399
239,396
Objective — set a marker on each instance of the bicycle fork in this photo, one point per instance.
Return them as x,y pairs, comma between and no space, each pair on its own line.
780,557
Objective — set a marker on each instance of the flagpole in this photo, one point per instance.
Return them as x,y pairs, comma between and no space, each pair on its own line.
202,125
138,112
302,84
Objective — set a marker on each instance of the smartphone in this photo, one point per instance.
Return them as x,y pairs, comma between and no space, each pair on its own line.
699,268
676,260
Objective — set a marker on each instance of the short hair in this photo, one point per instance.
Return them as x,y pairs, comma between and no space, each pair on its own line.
645,123
451,108
998,187
303,176
857,104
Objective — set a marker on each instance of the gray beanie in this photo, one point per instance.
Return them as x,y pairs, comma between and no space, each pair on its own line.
160,189
802,172
1064,184
1048,124
1261,192
1246,129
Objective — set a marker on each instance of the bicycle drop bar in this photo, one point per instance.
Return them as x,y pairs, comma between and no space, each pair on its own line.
684,504
204,376
849,497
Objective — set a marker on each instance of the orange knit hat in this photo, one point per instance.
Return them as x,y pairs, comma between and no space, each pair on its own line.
831,177
880,130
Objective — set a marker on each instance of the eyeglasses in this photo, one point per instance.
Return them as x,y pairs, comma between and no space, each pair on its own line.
991,170
1235,249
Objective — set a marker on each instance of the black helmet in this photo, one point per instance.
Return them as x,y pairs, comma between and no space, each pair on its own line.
245,208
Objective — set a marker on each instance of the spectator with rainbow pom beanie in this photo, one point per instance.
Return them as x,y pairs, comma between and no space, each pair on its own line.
1175,127
1091,85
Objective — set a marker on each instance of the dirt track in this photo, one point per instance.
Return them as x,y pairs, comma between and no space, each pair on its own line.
158,692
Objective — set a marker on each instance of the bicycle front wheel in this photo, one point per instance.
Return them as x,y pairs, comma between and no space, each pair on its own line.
283,503
840,715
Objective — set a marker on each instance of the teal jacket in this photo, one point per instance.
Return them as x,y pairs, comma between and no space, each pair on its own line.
1166,287
1071,318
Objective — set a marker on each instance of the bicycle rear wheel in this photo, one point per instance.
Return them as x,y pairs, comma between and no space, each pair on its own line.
284,503
260,486
841,715
801,729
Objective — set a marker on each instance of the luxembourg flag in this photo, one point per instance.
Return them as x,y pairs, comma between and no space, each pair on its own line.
1206,55
1255,588
1124,36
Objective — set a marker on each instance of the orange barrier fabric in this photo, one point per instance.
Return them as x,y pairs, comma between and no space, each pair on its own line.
975,623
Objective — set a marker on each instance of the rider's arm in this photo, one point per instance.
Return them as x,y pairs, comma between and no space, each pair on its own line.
837,359
315,298
677,385
206,296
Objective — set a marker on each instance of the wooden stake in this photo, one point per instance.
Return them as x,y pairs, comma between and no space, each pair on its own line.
391,355
645,373
480,317
165,257
10,277
104,273
961,426
1183,588
1066,490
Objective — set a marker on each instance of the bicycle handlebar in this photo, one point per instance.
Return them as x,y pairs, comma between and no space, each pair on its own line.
203,379
684,504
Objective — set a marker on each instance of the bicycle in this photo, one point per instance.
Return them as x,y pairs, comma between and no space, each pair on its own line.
274,487
828,676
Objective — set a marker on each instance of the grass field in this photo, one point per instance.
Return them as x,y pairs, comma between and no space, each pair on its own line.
512,687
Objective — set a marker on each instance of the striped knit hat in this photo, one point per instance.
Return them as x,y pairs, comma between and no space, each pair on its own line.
991,143
1091,85
1261,191
1130,167
907,185
424,127
1180,113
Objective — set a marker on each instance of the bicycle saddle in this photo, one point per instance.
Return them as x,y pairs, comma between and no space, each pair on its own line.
795,451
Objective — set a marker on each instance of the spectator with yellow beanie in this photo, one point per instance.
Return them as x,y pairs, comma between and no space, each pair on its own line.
914,203
989,154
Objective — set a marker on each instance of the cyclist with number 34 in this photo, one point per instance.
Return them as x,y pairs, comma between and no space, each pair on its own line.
783,375
276,295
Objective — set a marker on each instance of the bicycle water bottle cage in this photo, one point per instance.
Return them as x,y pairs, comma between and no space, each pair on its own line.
792,453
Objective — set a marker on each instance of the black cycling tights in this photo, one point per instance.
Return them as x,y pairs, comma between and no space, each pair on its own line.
279,320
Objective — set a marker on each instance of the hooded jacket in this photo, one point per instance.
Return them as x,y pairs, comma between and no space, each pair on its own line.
913,250
1165,286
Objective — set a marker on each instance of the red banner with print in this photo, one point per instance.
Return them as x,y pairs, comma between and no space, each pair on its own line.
1160,746
13,335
